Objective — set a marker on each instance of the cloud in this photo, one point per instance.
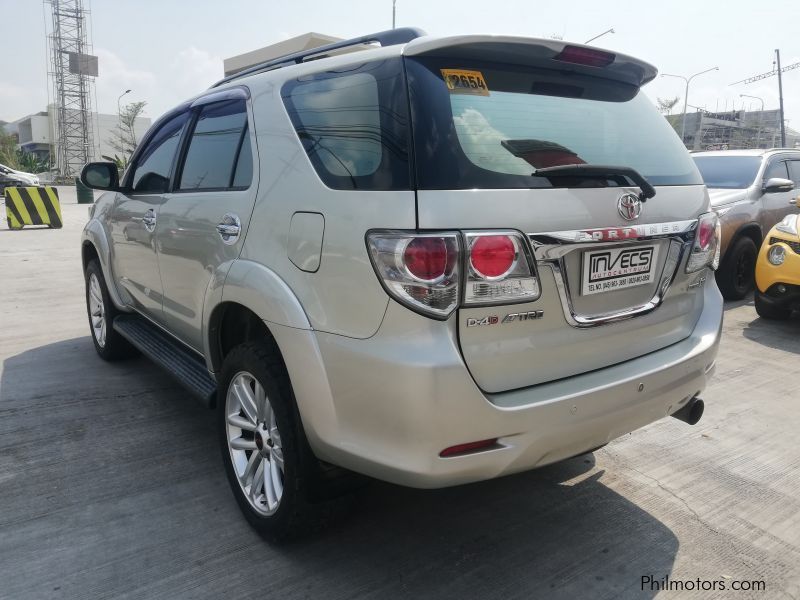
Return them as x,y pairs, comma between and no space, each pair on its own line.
115,76
194,70
189,72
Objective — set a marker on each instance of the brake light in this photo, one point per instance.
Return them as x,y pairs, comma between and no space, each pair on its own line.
585,56
500,269
706,246
492,256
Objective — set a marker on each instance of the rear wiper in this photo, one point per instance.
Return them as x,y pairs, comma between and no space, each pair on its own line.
593,171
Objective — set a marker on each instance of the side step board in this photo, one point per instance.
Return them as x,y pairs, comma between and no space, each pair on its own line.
180,362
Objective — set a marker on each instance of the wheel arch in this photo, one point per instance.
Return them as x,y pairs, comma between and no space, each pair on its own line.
751,230
251,300
95,245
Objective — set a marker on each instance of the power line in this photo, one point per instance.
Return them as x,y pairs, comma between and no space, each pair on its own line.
772,73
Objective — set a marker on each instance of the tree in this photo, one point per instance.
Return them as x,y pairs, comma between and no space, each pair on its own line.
8,150
665,105
30,163
123,138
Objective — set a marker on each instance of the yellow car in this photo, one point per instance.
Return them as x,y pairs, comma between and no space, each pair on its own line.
778,271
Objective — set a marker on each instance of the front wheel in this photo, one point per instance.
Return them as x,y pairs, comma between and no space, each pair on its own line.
109,344
736,274
263,446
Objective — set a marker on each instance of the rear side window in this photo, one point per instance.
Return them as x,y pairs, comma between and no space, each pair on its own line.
215,148
154,164
353,125
514,120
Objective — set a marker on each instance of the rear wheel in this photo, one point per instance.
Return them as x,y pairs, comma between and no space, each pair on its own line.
269,465
767,310
736,275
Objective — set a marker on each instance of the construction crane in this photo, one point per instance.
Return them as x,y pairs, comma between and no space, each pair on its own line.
777,70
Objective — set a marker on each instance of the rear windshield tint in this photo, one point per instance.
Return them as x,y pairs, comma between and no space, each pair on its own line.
353,125
729,172
497,124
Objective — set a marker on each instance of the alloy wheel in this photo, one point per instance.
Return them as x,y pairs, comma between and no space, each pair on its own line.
254,443
97,311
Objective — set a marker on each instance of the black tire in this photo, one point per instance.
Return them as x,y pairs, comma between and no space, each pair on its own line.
736,275
767,310
113,347
295,512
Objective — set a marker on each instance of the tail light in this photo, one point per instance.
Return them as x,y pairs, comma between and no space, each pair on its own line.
500,271
420,271
706,246
423,271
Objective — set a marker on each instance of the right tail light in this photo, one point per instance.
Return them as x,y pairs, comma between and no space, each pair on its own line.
500,271
706,246
425,271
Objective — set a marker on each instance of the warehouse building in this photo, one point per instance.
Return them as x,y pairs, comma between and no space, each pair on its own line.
735,129
36,132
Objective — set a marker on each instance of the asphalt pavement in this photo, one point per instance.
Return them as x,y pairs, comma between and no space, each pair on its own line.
112,485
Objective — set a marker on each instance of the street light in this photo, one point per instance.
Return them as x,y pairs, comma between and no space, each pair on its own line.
686,96
599,35
119,109
760,116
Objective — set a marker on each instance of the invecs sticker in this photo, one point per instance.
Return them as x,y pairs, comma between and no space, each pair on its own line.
460,81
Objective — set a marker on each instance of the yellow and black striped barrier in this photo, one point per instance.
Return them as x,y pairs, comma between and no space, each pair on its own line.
32,206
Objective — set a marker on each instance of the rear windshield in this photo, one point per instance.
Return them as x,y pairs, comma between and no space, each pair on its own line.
484,125
728,172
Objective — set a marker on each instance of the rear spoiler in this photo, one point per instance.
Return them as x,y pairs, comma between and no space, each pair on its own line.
532,52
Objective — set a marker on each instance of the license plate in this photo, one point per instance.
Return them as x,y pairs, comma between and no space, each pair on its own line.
618,268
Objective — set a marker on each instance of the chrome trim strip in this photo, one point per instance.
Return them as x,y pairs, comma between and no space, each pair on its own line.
625,233
677,249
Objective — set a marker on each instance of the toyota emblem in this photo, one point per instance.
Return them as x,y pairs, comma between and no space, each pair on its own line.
629,207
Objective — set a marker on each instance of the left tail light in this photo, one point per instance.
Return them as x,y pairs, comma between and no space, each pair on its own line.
420,271
425,271
706,246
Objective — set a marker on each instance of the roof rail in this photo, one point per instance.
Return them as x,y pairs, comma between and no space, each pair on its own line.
391,37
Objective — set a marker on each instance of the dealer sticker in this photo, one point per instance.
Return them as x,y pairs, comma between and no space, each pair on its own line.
618,268
460,81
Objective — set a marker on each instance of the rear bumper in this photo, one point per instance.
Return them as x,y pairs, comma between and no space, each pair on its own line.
391,403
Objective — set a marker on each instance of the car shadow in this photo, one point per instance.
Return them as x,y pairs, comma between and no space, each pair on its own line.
781,335
731,304
112,482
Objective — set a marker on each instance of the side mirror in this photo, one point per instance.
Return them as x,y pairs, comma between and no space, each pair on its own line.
100,176
778,184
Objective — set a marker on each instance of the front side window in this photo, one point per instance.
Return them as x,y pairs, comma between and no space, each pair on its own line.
215,147
794,172
777,168
353,125
154,164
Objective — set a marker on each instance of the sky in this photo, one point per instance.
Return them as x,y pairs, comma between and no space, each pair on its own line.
168,50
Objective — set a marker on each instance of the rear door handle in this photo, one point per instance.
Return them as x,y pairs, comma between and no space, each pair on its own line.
229,229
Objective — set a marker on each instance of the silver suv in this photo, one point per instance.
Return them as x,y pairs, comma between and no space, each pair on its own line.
431,261
751,191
